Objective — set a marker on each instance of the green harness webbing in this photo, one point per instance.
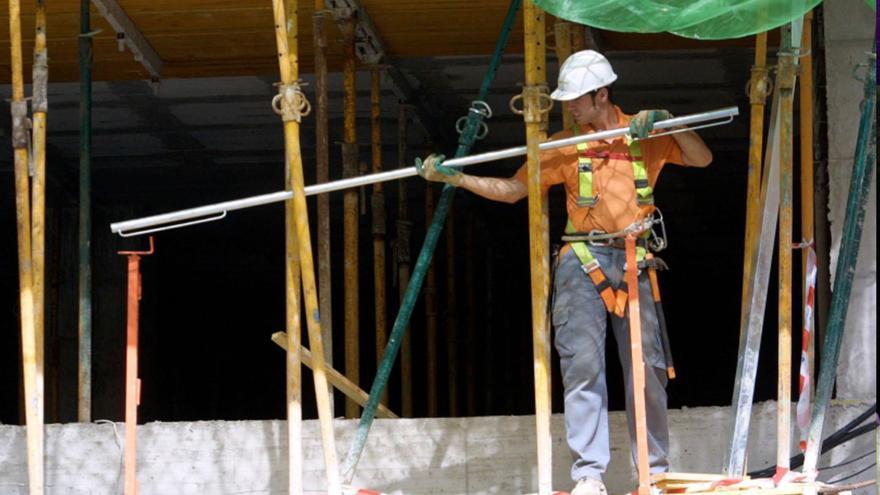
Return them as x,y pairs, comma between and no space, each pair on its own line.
614,299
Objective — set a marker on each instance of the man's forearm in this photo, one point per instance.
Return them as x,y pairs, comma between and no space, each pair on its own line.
494,188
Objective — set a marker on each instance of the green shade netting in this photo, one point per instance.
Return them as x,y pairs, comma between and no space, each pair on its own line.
872,4
699,19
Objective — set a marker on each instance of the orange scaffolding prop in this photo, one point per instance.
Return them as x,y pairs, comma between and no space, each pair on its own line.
132,382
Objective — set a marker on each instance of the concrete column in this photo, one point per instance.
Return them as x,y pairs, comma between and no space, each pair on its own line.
849,34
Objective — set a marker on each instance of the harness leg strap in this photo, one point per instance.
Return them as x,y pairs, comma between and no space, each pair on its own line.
603,286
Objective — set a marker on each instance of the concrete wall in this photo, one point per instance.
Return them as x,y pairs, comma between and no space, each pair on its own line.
849,34
484,455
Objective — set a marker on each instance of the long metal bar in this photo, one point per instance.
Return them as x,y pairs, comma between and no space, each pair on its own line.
84,326
322,175
30,369
431,238
136,226
377,201
286,38
540,269
759,86
752,324
335,378
786,222
856,205
350,212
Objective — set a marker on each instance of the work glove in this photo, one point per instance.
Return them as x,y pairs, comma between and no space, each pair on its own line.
643,123
432,170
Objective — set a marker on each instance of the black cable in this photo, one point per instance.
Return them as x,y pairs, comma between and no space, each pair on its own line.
844,463
844,434
852,475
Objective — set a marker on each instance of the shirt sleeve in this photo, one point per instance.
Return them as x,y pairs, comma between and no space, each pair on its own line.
552,165
657,152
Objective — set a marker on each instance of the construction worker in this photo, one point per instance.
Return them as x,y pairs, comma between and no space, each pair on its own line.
608,187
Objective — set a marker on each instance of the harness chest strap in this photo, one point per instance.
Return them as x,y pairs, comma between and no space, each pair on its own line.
586,196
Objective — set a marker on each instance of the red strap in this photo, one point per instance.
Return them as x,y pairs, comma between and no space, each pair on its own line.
595,153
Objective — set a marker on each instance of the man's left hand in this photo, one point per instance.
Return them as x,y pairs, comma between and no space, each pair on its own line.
643,123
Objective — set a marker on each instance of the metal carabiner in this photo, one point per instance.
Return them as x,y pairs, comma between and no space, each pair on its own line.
658,242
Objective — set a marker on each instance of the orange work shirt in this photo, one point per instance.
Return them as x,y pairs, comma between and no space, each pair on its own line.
616,207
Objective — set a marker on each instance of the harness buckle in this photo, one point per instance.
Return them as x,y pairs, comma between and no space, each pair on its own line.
599,241
590,267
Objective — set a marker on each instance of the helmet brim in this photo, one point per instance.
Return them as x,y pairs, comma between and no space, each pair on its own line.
562,95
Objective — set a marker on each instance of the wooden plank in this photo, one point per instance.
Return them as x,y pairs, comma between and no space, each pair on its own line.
670,477
336,378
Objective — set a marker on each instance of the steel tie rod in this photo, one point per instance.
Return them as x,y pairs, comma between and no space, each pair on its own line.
201,214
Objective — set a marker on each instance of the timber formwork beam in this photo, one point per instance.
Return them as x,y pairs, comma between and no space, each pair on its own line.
370,49
129,36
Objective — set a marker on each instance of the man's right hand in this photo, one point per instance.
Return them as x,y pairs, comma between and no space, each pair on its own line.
432,169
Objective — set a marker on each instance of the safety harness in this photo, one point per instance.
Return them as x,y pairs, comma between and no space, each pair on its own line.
614,299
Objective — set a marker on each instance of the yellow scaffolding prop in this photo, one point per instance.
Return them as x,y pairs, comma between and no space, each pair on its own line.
292,105
534,101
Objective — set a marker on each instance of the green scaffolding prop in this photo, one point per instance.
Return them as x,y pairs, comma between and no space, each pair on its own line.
466,140
859,189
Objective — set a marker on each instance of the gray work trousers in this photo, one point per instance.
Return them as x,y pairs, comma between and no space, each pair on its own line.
580,320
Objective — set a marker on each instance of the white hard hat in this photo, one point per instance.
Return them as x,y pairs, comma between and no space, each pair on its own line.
581,73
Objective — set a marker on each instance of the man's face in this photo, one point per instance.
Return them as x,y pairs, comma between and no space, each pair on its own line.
582,108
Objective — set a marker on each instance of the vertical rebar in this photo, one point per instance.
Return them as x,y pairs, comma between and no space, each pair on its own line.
84,327
322,175
471,326
404,231
451,317
378,209
562,35
578,38
430,318
350,215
